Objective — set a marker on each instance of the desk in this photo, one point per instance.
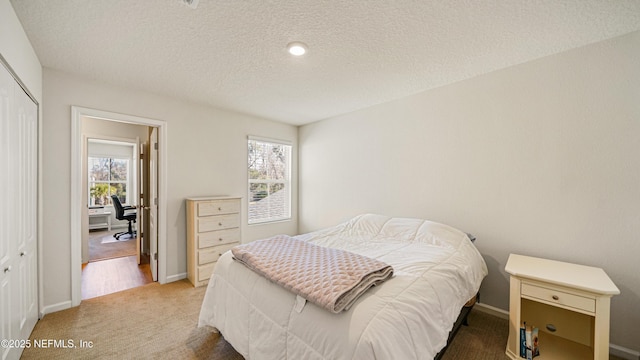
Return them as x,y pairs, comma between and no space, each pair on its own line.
100,220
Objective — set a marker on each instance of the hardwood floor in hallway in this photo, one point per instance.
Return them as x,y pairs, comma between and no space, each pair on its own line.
113,275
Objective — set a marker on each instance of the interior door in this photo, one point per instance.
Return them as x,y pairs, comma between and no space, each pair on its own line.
153,202
140,206
27,277
6,290
18,216
142,199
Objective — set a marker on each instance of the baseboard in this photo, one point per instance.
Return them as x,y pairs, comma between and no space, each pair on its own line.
614,349
55,307
491,310
176,277
623,352
67,304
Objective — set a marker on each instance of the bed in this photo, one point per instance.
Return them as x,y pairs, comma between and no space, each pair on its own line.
436,268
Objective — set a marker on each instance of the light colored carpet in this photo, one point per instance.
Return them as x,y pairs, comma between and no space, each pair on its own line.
160,322
484,339
149,322
102,246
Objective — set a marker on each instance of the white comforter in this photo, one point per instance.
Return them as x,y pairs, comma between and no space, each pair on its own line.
436,270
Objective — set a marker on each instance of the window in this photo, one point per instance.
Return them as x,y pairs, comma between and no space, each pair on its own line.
107,176
269,181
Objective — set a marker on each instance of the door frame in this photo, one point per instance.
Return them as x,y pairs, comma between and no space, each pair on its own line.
76,191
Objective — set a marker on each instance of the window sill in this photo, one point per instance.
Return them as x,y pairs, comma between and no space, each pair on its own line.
270,222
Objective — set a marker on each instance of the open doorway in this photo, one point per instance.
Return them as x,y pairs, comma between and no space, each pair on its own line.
114,255
111,143
112,172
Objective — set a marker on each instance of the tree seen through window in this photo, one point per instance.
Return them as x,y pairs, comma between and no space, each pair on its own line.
269,181
107,176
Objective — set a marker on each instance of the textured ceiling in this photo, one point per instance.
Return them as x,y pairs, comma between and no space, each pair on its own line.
231,54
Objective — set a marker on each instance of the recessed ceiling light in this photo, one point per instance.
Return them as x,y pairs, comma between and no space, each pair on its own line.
297,48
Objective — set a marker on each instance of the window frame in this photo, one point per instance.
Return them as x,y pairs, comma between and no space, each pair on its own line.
128,182
287,183
99,146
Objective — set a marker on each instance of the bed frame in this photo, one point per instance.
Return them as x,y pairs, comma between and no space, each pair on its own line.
461,320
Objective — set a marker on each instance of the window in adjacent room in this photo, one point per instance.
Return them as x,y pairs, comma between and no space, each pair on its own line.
107,176
111,171
269,180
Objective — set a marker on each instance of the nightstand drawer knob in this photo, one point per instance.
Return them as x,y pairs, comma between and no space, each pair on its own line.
555,297
551,328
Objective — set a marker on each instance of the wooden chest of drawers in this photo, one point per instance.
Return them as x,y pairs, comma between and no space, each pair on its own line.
213,227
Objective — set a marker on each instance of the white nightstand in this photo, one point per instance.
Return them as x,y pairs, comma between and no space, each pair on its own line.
571,299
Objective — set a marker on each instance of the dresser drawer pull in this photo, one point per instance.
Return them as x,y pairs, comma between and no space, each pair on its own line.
219,209
555,297
219,239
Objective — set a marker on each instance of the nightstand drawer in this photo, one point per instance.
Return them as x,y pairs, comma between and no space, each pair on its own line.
213,254
218,222
551,296
220,237
218,207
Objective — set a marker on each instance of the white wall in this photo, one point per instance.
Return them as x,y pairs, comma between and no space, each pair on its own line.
541,159
16,49
207,155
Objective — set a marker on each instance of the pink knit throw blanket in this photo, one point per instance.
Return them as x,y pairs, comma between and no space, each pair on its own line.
331,278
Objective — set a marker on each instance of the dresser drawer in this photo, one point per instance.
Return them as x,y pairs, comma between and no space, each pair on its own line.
552,296
213,254
218,237
218,207
204,272
218,222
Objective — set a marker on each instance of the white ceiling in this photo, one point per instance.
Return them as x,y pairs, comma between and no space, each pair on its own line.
231,53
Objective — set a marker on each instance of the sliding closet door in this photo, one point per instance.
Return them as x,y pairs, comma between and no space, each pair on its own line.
26,208
18,213
6,96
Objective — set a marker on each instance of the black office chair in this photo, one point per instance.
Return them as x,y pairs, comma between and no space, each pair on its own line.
124,213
